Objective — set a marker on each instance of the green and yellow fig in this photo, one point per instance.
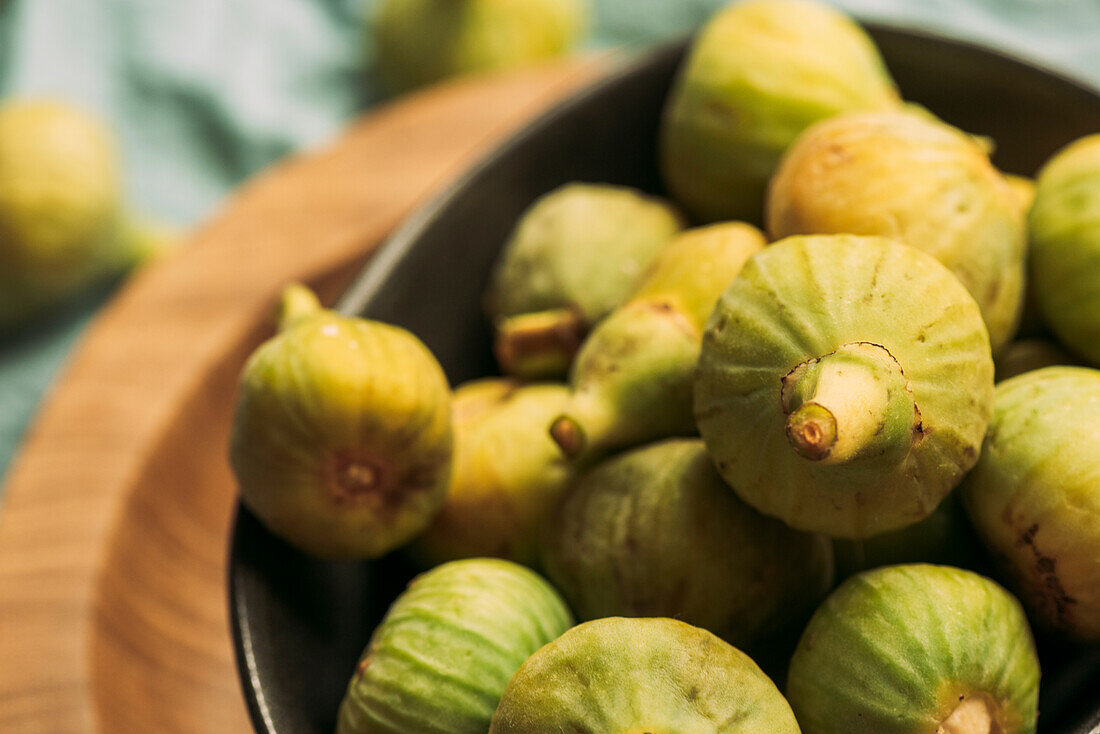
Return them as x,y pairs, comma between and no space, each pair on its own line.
641,675
1027,355
422,41
1034,496
655,532
758,74
844,384
61,224
575,255
916,180
916,649
506,473
1064,262
632,378
1023,188
341,439
447,648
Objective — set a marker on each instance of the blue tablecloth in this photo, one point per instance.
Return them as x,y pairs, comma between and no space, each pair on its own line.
204,93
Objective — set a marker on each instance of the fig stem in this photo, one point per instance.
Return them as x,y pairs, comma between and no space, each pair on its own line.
540,345
972,716
297,302
850,404
569,436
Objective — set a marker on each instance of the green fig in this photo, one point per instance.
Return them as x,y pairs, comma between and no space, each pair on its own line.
1027,355
61,222
506,473
916,649
758,74
844,384
447,648
422,41
1064,228
944,537
341,439
655,532
577,253
916,180
641,675
632,378
1034,496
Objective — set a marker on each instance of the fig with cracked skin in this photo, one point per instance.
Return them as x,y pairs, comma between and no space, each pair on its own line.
506,474
758,74
1034,496
632,378
844,384
575,255
341,440
448,646
1064,259
641,675
916,649
423,41
917,180
655,532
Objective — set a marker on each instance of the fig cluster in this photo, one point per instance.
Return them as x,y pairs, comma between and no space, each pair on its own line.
748,468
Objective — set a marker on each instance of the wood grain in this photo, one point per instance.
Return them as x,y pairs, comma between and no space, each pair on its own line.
114,526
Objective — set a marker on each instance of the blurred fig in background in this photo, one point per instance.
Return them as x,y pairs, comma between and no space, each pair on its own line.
758,74
423,41
62,222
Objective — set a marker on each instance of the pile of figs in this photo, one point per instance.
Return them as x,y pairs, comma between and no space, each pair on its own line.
746,468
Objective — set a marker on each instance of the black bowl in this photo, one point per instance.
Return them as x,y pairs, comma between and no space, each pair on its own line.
300,624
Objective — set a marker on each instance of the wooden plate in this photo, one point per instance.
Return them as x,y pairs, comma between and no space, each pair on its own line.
116,514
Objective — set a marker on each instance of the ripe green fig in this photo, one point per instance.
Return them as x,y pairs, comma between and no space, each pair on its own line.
506,474
916,180
1034,496
61,222
641,675
575,255
655,532
844,384
422,41
916,649
758,74
1027,355
632,378
341,439
447,648
1064,228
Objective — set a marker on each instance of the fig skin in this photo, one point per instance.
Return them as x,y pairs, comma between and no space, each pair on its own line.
641,675
448,646
758,74
916,649
1024,190
903,374
631,379
1064,261
60,203
1034,496
581,246
506,474
655,532
916,180
423,41
341,440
